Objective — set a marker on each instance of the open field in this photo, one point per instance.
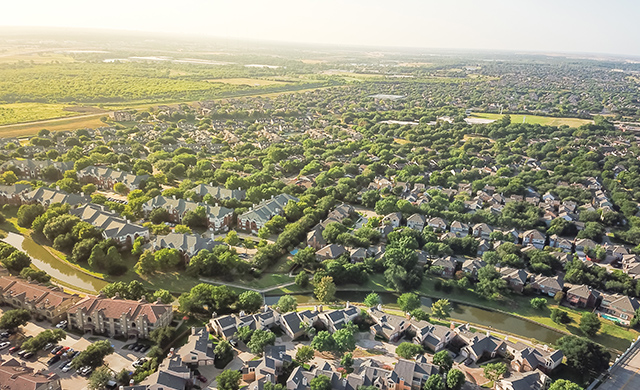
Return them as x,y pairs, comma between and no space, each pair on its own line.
36,58
535,119
26,129
29,112
246,81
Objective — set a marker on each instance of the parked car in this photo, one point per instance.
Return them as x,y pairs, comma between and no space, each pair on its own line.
202,378
56,349
62,324
22,352
145,348
4,345
85,371
54,359
73,354
63,350
14,349
138,347
48,346
28,355
67,353
4,334
66,367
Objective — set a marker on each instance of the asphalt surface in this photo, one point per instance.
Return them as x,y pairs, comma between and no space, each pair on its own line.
626,374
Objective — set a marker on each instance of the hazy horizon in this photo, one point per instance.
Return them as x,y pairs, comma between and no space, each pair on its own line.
545,26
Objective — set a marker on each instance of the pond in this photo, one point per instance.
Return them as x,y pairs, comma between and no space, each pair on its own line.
62,272
461,312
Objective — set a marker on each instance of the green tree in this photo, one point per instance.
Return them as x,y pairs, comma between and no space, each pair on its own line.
244,333
35,274
408,350
27,214
563,384
259,340
232,238
584,355
560,316
162,336
434,382
13,319
304,354
250,301
325,289
455,379
93,355
223,351
38,342
146,263
323,342
89,189
538,303
320,382
163,296
443,360
229,380
305,257
372,300
408,302
99,378
302,279
494,371
183,229
120,188
441,308
16,262
347,361
590,324
287,303
344,339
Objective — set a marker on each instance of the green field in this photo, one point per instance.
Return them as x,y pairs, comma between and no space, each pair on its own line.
535,119
28,112
26,129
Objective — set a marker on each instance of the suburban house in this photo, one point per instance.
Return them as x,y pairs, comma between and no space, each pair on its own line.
533,237
618,308
218,193
547,285
226,326
482,230
260,214
434,337
477,345
556,241
515,278
533,380
218,218
447,264
392,219
472,266
47,196
32,169
437,223
411,375
293,323
335,319
459,229
358,255
315,239
187,244
582,296
526,358
17,376
270,367
416,222
583,245
171,375
105,178
43,302
198,351
330,252
388,326
13,194
111,225
118,317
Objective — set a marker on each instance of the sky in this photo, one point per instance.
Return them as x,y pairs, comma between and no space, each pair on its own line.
563,26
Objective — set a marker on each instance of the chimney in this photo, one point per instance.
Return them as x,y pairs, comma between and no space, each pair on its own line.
57,188
174,197
216,204
348,305
344,382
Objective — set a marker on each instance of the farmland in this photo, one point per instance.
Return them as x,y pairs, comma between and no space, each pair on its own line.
28,112
535,119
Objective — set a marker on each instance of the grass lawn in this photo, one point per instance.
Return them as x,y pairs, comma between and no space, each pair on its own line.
25,129
246,81
28,112
535,119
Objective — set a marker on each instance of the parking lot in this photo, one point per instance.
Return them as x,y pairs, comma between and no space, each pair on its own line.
121,358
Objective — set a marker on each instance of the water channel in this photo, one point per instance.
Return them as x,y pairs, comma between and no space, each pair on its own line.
64,273
464,313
